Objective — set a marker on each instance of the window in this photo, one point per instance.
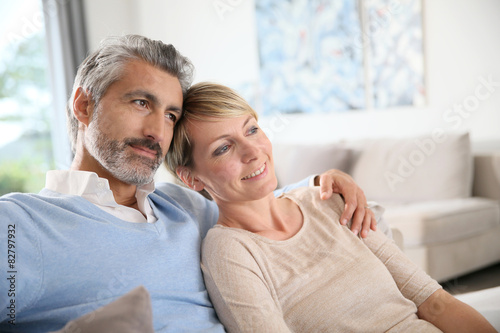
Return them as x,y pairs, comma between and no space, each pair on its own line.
25,134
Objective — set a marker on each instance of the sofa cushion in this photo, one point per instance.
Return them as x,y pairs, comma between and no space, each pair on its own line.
427,223
486,302
433,167
294,162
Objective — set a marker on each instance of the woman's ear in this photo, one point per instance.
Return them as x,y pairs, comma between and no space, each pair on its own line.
187,177
82,106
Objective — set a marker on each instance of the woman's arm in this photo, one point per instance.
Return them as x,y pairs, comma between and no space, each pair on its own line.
238,288
451,315
433,303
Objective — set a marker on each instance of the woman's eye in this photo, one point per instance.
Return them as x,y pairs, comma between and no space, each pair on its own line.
221,150
253,130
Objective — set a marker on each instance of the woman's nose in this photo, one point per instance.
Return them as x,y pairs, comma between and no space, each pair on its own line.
250,152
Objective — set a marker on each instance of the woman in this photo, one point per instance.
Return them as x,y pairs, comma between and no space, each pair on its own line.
280,264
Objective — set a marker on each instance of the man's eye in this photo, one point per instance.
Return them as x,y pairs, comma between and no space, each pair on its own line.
141,102
172,117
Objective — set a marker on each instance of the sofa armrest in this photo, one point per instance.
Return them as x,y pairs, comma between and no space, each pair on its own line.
487,175
397,236
391,232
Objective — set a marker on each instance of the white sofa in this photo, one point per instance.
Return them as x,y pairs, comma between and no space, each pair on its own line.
443,198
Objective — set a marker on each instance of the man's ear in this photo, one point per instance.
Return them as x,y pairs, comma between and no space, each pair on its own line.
82,105
187,177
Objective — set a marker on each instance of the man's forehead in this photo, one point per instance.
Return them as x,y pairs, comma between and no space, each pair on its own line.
141,78
142,68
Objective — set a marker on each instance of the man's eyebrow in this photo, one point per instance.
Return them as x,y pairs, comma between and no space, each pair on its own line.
152,98
175,109
142,93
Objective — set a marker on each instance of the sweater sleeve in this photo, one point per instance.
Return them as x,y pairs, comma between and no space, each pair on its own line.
413,282
306,182
237,287
21,268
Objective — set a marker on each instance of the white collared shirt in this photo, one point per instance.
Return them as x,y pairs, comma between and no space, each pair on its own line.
96,190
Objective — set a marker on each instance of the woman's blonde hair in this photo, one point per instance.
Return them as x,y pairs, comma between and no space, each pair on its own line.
204,101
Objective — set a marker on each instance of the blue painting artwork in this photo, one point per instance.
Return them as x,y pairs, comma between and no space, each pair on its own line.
325,55
397,66
307,59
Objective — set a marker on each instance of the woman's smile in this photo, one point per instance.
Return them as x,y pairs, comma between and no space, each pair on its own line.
256,173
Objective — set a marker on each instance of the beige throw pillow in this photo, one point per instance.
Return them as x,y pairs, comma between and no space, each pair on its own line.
131,313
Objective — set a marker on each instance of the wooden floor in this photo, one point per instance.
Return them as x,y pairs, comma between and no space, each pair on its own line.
486,278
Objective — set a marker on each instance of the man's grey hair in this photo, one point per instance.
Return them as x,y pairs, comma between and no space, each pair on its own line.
105,66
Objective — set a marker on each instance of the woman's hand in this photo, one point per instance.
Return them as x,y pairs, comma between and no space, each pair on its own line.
335,181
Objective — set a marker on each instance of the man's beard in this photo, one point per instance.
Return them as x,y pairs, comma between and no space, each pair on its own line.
121,162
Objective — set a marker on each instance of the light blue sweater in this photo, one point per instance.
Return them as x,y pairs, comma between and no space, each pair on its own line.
72,257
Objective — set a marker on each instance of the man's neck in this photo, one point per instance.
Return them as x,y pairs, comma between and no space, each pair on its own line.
124,194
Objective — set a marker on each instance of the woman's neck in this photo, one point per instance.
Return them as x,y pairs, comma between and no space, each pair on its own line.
274,218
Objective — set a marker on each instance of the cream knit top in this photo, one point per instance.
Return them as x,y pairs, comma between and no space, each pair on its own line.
323,279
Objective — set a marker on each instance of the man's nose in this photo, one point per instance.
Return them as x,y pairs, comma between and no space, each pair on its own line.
154,126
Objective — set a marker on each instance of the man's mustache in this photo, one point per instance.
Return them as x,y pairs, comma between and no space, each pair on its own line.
145,143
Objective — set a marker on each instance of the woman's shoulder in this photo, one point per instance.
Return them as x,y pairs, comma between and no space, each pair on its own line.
309,198
225,246
220,238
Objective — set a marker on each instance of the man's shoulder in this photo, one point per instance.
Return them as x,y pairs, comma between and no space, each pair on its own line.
42,202
186,202
177,193
168,187
44,195
21,198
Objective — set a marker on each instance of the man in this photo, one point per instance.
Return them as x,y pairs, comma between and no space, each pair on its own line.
102,228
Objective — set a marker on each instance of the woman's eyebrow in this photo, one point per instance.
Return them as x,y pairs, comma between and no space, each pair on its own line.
227,135
246,121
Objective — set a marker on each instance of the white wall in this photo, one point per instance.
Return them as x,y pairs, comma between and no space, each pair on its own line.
222,48
462,49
